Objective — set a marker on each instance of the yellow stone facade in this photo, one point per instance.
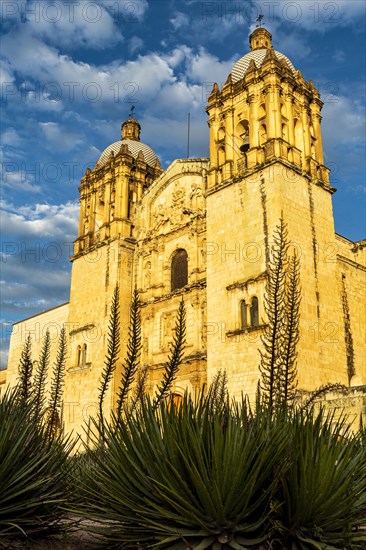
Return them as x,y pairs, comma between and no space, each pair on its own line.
202,229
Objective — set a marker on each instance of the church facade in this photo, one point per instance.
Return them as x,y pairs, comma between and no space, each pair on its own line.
202,230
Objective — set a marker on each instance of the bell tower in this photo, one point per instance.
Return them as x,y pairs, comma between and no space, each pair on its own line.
266,162
109,192
265,111
103,255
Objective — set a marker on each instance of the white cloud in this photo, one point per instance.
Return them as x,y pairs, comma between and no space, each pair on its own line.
37,243
318,16
177,99
59,138
11,138
204,67
6,79
17,180
4,354
343,121
126,12
171,130
40,220
72,81
73,24
343,130
179,20
339,56
13,10
135,44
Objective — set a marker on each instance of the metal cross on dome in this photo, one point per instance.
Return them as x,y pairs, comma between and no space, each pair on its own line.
259,19
132,113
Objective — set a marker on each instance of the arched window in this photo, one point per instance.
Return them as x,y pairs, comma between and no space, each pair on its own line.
299,142
262,111
78,356
262,134
254,314
243,315
242,132
313,149
176,400
284,132
221,134
221,157
179,269
83,356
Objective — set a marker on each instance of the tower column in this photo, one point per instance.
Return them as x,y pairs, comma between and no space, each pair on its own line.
290,117
125,197
213,149
273,108
92,211
81,216
316,118
253,121
229,135
306,135
107,206
119,202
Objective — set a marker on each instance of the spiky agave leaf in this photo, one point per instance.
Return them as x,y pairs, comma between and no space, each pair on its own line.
57,384
274,306
291,333
140,389
173,477
319,393
175,357
25,371
113,348
40,378
324,489
131,362
33,473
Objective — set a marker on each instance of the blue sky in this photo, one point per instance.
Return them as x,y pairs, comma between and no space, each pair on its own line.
71,70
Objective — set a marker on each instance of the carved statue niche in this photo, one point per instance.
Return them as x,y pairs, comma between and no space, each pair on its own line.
204,251
167,327
178,197
160,217
197,200
178,204
147,275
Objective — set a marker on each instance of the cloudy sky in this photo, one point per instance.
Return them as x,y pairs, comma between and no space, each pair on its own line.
71,70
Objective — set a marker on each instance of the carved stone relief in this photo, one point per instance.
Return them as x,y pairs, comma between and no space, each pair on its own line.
166,330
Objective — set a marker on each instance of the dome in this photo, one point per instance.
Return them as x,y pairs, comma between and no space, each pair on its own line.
134,148
260,42
258,55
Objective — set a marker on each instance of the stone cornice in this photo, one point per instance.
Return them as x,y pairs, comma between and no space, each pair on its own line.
259,167
244,284
351,262
200,285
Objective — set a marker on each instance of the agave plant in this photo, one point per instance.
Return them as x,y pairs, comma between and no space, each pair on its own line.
33,473
323,491
187,477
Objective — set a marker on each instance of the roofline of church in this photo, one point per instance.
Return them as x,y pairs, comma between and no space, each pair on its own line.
165,172
41,313
361,241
